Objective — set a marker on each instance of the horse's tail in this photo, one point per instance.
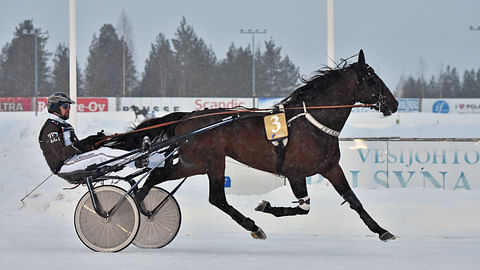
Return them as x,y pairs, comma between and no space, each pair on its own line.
156,129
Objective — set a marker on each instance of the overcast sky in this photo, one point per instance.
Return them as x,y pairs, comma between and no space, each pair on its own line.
398,37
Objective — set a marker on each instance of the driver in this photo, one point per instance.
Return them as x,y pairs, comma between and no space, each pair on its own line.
63,151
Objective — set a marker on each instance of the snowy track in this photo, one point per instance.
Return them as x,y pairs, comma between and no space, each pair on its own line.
50,246
438,229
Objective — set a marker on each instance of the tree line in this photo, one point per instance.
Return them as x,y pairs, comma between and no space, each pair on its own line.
181,66
447,84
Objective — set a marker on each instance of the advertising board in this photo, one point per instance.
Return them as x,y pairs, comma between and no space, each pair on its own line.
451,105
179,104
15,104
84,104
410,164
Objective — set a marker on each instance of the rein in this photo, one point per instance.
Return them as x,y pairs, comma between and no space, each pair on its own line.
334,107
233,112
250,110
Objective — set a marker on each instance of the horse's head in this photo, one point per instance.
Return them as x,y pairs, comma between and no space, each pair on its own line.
371,89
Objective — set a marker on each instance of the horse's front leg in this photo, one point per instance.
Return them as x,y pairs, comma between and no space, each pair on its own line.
217,197
336,176
299,188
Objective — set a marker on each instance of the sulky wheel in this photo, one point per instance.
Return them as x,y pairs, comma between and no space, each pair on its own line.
161,228
110,234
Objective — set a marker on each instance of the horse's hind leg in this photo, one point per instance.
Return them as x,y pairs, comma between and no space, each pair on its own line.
217,197
299,188
336,176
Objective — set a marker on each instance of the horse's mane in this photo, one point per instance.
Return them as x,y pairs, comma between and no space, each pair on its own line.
321,79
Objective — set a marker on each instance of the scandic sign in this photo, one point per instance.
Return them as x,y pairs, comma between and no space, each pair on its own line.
183,104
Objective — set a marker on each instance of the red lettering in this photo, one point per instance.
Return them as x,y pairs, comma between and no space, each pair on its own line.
199,104
92,104
15,104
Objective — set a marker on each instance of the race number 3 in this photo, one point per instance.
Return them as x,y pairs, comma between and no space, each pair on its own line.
275,126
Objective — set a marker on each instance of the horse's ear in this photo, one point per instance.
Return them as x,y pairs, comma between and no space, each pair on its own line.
361,57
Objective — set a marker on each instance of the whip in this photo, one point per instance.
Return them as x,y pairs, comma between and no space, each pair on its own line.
28,194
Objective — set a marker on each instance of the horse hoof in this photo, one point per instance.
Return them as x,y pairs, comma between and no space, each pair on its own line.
262,206
259,234
386,236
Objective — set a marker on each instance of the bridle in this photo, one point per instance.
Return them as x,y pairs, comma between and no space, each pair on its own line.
366,77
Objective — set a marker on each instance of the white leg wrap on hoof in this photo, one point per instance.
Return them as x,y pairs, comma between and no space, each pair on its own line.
304,203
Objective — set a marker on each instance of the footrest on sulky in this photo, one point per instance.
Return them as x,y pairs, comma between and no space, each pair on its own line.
75,177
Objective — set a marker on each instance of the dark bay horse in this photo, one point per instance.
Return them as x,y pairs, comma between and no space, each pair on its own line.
312,146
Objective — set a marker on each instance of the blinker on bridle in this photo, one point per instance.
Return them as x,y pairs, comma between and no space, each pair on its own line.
367,77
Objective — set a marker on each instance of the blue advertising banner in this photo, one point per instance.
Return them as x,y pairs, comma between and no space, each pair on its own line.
451,105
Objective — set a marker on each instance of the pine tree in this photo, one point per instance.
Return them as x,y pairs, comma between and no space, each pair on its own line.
276,76
469,84
449,83
159,77
60,74
17,63
234,73
269,70
61,69
3,88
416,88
104,72
477,84
288,79
196,63
433,90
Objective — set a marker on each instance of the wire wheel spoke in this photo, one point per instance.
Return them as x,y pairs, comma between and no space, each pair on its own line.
107,234
161,228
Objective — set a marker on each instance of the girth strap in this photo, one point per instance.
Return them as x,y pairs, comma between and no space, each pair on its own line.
280,149
280,146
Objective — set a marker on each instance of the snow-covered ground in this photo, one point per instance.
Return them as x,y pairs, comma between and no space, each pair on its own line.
437,229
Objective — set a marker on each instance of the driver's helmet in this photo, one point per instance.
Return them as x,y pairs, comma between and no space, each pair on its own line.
56,100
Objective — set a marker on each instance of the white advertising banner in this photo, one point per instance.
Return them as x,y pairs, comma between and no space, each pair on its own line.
177,104
451,105
409,164
448,165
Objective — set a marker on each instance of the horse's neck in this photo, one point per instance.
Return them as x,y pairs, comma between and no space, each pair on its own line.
340,93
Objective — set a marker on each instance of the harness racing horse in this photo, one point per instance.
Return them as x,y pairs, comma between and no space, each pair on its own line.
312,147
